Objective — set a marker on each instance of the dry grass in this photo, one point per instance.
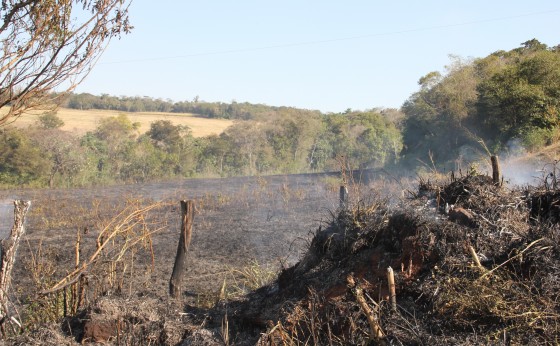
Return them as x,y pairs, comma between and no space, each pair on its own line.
81,121
121,239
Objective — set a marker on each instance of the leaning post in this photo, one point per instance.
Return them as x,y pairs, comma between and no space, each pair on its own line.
187,212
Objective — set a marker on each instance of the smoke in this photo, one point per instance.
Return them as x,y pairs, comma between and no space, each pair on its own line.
518,172
521,168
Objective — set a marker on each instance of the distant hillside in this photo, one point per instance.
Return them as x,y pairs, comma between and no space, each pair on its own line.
80,122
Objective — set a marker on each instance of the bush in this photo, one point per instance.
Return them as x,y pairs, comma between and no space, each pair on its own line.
536,138
50,121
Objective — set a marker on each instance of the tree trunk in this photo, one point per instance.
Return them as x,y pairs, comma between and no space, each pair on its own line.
9,248
179,267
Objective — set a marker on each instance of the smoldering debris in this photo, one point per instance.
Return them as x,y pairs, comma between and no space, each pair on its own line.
493,280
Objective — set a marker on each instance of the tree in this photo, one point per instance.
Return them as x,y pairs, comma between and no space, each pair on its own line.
67,158
52,45
437,115
50,120
117,136
247,141
167,135
365,139
523,98
21,162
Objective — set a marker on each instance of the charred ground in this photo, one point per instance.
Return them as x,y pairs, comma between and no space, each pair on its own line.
489,276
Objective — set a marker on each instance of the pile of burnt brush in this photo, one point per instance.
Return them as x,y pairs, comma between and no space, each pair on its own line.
474,263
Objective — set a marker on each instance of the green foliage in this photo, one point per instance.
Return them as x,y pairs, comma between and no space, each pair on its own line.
168,136
67,159
437,114
233,110
504,96
116,128
508,95
21,162
522,98
535,138
50,121
366,139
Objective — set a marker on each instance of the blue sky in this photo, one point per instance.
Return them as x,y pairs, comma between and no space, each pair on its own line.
325,55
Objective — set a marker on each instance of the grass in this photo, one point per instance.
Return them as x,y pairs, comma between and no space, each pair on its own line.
81,121
97,272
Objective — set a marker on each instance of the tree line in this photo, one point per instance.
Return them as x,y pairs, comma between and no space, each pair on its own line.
218,110
115,152
476,107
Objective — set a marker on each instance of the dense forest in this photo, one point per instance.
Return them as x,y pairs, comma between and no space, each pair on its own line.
474,106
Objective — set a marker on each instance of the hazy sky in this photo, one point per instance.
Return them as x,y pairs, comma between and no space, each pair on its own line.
326,55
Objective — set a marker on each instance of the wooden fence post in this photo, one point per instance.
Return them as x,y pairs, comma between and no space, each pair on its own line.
9,248
187,209
496,173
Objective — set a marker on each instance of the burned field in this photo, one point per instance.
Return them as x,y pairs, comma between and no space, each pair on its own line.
245,231
274,261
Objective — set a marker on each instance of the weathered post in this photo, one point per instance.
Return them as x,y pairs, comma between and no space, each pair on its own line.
392,290
179,267
9,248
343,197
496,173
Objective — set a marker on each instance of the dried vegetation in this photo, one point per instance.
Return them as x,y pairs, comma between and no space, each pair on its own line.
487,277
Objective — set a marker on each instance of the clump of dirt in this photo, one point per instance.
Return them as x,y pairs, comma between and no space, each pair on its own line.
493,280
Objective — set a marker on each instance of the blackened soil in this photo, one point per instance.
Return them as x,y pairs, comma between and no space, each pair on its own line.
238,221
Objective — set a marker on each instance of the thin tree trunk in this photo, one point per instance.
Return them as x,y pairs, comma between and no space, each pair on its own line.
9,248
187,208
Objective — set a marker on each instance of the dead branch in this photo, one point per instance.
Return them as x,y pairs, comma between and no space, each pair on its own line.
476,259
513,257
392,288
50,46
9,248
129,224
357,291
